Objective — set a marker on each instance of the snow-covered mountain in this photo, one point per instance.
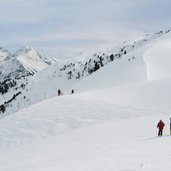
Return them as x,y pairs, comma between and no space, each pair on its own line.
31,59
36,79
108,124
16,68
26,61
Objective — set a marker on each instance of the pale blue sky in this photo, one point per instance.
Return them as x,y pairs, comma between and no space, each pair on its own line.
60,28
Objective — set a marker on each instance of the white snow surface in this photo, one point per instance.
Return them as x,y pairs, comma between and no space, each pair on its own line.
72,133
158,59
109,124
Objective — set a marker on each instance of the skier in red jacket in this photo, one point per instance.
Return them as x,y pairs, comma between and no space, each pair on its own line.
160,125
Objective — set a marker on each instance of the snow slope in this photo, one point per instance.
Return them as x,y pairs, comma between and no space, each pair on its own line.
158,58
126,66
77,134
147,63
108,124
96,148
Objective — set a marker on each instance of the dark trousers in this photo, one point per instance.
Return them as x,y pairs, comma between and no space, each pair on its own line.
160,133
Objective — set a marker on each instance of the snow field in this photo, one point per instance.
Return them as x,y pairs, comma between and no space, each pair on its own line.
123,145
65,113
108,124
83,132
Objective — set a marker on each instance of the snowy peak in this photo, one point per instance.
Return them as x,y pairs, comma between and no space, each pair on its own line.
26,61
31,59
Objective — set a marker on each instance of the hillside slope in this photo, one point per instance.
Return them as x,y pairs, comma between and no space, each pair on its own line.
108,124
73,133
125,66
146,63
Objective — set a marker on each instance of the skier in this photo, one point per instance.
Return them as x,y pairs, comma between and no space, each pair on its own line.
59,92
160,126
72,91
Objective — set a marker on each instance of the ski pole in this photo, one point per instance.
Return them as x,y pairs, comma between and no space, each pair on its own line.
156,131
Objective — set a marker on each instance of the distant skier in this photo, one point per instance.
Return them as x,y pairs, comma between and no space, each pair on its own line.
59,92
72,91
160,126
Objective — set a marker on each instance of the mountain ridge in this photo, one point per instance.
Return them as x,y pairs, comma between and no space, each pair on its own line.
33,86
